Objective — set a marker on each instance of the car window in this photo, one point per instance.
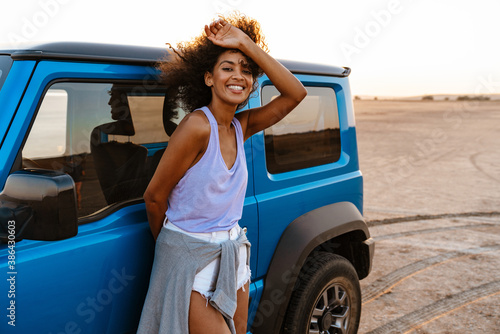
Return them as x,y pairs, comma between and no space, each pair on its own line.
48,134
5,64
108,136
309,136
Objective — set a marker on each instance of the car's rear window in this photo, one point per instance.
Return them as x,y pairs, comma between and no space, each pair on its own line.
5,64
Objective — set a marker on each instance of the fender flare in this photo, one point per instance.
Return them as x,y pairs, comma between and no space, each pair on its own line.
297,241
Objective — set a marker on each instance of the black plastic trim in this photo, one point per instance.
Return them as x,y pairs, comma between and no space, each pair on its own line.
91,52
128,54
299,67
108,210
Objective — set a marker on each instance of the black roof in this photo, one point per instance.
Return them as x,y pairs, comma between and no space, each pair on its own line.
128,54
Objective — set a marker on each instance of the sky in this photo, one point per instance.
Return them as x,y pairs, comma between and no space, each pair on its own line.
394,47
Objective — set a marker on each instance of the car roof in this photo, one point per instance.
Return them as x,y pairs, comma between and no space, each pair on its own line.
129,54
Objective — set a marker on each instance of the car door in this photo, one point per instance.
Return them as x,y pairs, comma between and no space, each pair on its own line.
102,125
94,282
305,161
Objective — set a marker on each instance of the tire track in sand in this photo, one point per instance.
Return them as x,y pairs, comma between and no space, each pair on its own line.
416,319
404,219
386,283
473,159
431,230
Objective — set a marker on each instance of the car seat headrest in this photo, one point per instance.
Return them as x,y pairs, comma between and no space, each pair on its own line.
169,113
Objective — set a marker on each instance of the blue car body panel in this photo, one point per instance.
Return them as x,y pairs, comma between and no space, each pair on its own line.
321,185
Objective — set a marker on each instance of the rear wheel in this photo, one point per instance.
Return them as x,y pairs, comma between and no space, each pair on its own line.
327,298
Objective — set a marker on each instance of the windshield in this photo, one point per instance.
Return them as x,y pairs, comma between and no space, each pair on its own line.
5,64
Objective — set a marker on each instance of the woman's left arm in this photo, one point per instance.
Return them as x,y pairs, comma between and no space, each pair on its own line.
292,92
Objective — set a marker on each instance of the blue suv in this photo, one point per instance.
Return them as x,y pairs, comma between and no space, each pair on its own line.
82,128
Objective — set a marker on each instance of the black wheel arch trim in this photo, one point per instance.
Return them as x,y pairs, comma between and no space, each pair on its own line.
299,239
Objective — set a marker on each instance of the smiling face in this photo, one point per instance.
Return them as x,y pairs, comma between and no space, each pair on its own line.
231,79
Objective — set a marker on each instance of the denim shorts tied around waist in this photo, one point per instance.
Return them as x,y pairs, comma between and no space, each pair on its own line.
205,280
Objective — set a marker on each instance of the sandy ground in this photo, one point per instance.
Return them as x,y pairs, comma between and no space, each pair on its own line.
432,199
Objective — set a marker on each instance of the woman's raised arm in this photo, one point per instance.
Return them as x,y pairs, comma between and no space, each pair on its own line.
291,89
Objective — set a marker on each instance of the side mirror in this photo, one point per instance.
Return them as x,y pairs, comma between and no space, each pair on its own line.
38,204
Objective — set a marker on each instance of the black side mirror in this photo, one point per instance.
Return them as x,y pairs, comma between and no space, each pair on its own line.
38,204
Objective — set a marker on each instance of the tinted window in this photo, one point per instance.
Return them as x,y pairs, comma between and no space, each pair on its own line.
5,64
108,136
309,136
48,134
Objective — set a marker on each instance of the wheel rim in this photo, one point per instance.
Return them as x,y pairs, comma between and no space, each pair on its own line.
331,311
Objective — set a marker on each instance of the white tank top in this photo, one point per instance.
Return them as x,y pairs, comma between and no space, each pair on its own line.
209,197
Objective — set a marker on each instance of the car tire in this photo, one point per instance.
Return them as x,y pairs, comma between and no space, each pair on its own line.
327,298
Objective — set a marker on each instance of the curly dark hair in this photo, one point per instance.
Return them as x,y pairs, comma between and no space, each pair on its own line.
183,71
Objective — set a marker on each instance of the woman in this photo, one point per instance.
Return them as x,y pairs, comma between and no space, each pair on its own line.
196,194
